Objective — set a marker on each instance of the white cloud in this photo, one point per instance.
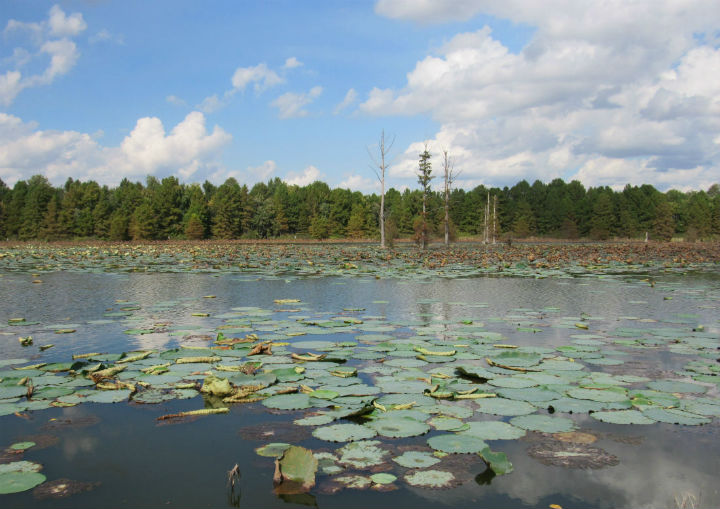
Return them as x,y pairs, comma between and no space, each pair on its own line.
251,175
260,76
262,172
211,104
290,105
308,176
175,100
292,63
625,85
104,35
62,52
62,25
349,99
147,150
360,183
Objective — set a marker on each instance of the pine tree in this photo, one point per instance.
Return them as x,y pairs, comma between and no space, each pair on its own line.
424,177
664,225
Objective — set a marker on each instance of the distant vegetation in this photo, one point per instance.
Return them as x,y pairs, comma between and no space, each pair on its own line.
166,208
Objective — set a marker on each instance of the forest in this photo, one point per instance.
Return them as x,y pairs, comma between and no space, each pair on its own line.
165,208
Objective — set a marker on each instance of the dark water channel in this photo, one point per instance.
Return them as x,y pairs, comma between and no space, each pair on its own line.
139,463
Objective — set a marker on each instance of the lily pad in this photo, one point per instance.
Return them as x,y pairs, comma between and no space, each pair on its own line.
344,433
431,479
383,478
623,417
502,406
274,450
493,430
398,427
288,401
15,482
362,454
416,459
543,423
675,416
456,444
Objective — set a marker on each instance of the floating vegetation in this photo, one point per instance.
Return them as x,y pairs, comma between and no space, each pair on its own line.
571,455
62,488
417,399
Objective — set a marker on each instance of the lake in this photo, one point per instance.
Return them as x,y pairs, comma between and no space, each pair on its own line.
612,346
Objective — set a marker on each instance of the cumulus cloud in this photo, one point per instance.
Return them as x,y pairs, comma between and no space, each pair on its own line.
175,100
360,183
349,100
260,76
290,104
308,176
599,84
292,63
64,26
62,52
147,150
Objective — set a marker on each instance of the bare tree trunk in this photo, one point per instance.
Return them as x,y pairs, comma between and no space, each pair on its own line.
379,167
424,222
486,233
447,166
494,217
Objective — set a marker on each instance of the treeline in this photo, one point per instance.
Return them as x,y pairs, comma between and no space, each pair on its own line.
168,209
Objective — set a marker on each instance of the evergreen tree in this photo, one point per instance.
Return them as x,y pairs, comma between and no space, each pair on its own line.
664,224
603,217
424,175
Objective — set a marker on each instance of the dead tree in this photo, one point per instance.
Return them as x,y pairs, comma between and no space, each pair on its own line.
380,166
450,176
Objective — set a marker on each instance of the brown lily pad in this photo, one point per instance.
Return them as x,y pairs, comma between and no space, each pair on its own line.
62,488
571,455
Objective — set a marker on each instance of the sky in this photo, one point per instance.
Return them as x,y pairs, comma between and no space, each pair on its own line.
607,92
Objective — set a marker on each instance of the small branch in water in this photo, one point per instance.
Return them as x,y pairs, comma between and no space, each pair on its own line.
190,413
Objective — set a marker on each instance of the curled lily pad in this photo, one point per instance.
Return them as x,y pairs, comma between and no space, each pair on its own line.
297,465
344,433
497,461
436,479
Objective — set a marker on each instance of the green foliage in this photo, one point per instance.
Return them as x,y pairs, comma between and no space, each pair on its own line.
162,209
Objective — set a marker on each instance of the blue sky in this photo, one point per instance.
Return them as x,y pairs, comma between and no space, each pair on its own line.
604,92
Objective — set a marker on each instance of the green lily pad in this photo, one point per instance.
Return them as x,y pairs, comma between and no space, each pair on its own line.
383,478
456,444
676,386
109,396
344,433
623,417
446,423
493,430
21,446
274,450
497,461
20,466
298,464
416,459
609,395
543,423
675,416
502,406
15,482
398,427
288,401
